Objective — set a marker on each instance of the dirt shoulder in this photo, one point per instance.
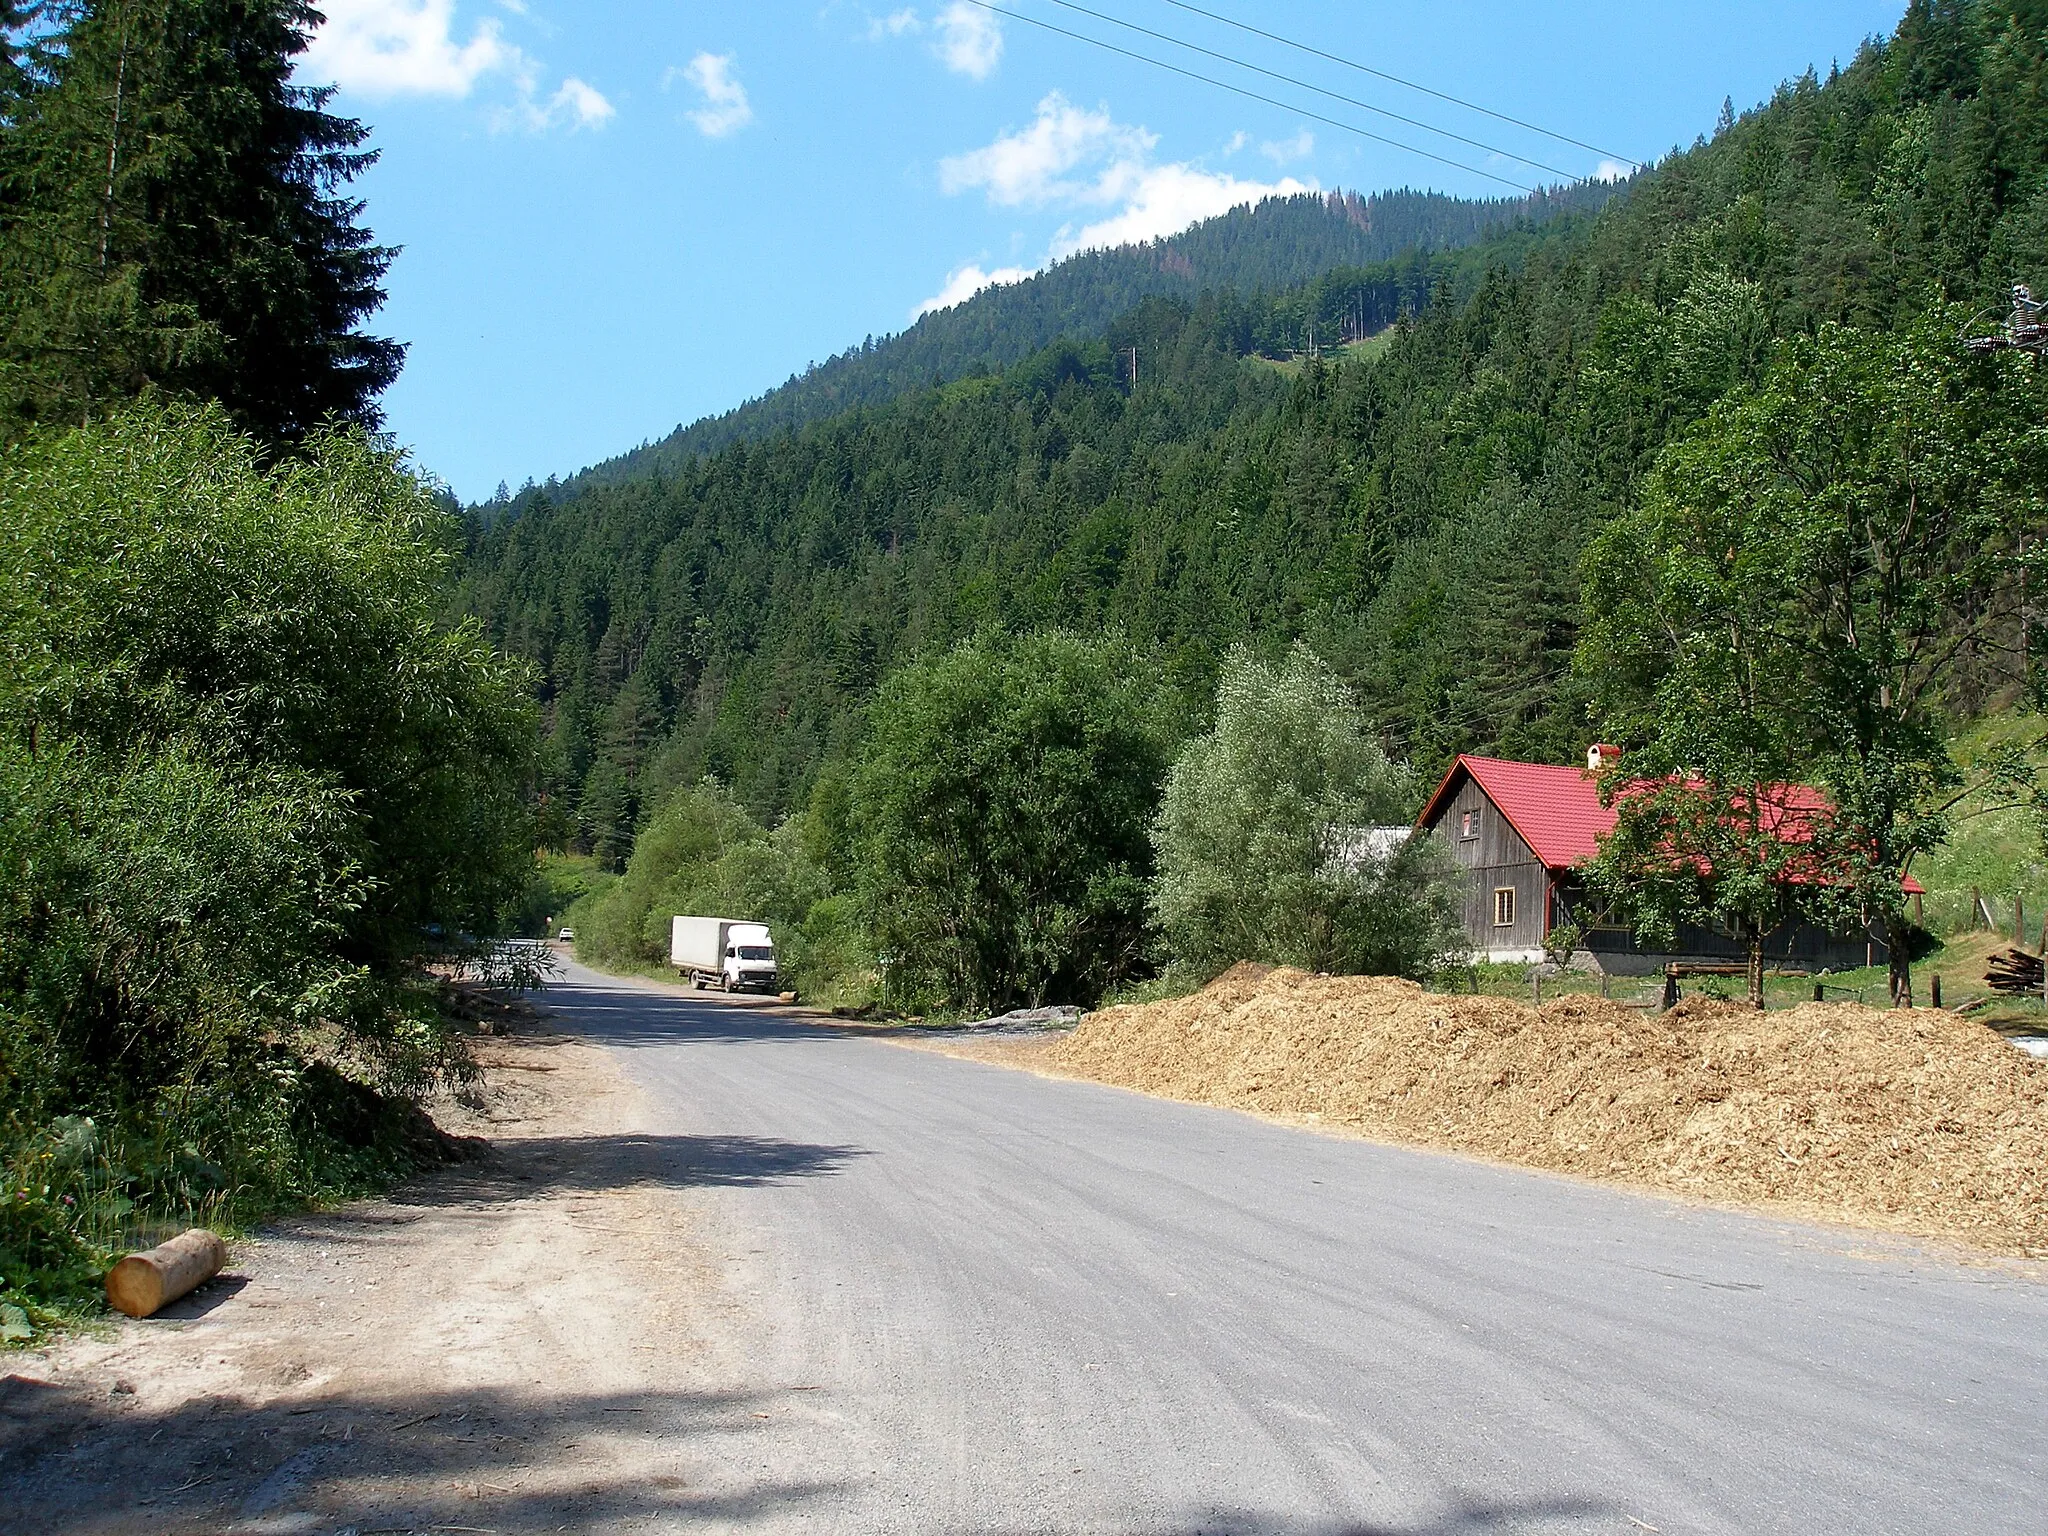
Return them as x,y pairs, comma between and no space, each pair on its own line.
1918,1123
480,1351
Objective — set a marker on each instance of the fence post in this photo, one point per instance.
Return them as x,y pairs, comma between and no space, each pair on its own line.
1820,992
1670,987
1934,991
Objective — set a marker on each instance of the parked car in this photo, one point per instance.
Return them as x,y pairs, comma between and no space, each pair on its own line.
566,936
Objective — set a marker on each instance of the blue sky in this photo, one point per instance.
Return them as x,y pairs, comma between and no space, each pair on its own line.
619,215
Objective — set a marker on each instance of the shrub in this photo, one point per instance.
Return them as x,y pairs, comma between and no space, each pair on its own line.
1263,841
999,813
248,784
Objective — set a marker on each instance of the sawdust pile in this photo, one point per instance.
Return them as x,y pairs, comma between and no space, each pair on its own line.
1917,1122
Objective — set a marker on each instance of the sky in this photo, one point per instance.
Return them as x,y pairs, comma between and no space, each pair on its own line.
621,215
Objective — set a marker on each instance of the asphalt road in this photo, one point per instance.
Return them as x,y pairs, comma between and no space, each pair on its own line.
1016,1304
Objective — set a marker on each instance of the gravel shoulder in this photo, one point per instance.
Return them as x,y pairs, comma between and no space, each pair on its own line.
485,1343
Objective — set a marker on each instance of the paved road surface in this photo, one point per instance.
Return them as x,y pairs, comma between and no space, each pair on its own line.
1032,1305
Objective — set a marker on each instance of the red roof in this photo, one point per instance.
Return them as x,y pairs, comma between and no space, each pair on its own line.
1557,811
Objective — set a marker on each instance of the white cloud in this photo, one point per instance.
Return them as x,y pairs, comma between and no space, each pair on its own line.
1030,168
970,39
1081,160
583,105
1612,170
1283,151
407,48
1166,200
726,108
965,282
1238,140
895,24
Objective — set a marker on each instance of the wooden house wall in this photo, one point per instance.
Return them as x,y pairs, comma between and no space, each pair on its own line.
1802,946
1494,859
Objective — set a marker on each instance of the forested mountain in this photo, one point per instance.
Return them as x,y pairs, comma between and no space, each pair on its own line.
1282,242
1417,510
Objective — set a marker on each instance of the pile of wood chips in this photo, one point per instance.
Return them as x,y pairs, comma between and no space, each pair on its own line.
1916,1122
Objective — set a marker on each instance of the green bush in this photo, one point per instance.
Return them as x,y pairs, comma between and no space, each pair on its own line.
248,784
703,854
1261,841
999,814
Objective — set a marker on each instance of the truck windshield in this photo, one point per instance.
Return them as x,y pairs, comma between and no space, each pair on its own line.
756,952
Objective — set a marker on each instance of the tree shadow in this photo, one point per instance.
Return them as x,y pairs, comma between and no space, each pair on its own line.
477,1459
520,1170
623,1017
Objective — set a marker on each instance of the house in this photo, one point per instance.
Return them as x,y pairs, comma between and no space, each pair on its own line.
1522,831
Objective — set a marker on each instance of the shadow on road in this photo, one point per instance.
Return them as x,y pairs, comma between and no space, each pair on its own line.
628,1016
519,1170
468,1461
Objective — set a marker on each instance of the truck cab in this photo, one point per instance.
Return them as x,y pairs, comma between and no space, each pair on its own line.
750,959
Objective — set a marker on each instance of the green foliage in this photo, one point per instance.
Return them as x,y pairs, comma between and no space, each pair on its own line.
1995,845
1819,565
999,814
247,784
176,217
1417,515
557,882
1279,244
1261,837
703,855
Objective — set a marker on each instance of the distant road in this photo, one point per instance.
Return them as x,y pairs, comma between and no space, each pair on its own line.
1017,1304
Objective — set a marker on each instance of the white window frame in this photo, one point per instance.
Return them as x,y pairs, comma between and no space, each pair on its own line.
1504,909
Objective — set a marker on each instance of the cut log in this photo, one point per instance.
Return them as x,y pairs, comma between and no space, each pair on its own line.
144,1283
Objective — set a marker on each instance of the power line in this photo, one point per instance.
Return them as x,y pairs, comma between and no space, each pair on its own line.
1349,101
1380,74
1238,90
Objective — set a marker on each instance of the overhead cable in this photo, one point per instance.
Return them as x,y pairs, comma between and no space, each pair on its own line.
1349,101
1380,74
1238,90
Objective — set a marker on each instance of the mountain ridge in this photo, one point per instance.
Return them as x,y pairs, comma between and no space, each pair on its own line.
1277,244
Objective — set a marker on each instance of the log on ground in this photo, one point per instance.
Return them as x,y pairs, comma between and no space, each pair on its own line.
144,1283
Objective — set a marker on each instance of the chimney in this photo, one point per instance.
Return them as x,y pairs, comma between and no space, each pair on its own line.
1601,756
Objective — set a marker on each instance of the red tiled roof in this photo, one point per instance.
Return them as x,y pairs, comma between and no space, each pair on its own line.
1557,811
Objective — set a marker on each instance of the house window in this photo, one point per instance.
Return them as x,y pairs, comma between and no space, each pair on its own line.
1468,824
1504,907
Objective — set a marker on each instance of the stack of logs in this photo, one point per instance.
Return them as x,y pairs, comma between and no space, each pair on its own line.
2014,970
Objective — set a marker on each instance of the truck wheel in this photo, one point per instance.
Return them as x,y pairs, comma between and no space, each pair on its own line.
697,983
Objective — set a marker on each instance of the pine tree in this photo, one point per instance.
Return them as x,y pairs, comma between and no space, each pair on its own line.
177,220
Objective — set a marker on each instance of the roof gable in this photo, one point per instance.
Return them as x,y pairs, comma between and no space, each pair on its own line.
1556,811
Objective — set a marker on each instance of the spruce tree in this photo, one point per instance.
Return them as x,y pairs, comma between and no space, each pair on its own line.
177,218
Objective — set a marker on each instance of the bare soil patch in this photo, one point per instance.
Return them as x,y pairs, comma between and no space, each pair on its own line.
1916,1122
519,1342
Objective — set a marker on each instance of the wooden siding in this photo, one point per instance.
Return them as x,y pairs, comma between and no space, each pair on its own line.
1802,946
1495,858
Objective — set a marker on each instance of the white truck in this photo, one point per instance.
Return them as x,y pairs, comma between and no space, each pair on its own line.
722,951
